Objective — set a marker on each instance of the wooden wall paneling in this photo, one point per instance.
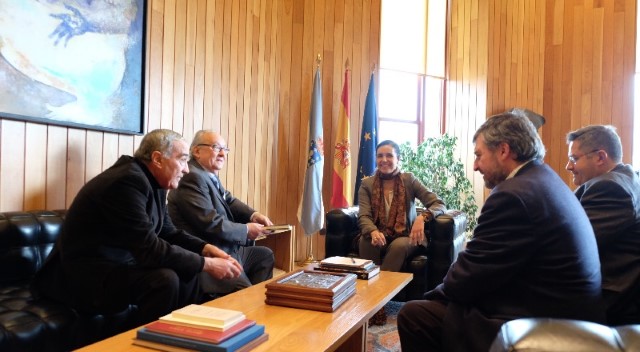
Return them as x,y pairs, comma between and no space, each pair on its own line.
472,54
627,120
56,167
189,70
199,64
179,63
282,165
255,164
268,41
565,89
35,168
126,145
595,97
618,70
168,53
585,114
155,26
272,48
109,150
467,78
211,43
76,163
229,116
94,147
241,106
12,164
483,84
607,62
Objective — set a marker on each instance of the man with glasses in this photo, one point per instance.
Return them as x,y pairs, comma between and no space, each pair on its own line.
609,191
201,206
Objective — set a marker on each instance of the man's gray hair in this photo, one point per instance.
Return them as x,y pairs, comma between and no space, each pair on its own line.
514,129
198,139
596,137
157,140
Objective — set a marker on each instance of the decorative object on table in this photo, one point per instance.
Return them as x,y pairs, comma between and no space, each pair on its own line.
309,289
51,76
202,328
435,164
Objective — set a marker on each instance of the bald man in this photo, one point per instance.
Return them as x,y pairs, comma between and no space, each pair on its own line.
201,206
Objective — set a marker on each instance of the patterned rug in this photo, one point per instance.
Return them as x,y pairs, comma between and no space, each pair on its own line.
385,338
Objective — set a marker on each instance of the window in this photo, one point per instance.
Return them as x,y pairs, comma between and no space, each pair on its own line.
411,76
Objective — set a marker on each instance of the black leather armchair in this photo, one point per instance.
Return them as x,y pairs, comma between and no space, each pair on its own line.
30,323
562,335
428,266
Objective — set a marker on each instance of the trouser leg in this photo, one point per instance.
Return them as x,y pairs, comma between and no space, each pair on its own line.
420,326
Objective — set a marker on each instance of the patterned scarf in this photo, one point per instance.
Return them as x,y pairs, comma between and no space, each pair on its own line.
397,221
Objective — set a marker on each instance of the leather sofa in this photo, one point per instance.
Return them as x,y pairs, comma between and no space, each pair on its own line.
562,335
31,323
429,266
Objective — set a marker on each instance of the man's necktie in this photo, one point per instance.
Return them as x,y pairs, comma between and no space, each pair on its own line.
216,182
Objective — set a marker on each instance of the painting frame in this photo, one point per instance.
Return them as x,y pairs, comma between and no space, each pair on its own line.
80,64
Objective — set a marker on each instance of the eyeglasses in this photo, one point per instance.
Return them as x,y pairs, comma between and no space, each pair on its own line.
216,148
574,158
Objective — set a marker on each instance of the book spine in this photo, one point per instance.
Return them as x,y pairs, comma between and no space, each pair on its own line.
144,334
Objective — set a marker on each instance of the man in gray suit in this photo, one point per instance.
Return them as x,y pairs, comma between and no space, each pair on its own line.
609,191
533,252
201,206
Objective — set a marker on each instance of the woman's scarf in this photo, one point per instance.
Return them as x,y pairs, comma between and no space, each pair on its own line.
396,224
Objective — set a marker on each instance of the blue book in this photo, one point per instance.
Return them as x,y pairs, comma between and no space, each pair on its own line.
230,345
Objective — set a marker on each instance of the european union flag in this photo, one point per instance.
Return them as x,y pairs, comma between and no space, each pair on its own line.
368,139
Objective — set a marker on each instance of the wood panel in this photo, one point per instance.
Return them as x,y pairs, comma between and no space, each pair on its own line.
570,60
244,68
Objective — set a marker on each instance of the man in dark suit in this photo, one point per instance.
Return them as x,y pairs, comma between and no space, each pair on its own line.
533,253
118,245
609,191
204,208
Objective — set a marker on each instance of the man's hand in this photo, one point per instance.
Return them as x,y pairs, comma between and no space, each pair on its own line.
255,230
212,251
261,219
222,268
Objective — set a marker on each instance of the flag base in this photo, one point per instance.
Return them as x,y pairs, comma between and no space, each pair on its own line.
310,259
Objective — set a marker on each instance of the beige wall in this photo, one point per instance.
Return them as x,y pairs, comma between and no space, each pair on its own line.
570,60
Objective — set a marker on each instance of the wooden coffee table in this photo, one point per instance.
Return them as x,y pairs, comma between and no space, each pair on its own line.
292,329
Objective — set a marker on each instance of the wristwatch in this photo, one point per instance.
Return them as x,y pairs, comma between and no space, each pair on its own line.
426,216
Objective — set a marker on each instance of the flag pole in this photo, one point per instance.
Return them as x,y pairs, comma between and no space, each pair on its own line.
310,258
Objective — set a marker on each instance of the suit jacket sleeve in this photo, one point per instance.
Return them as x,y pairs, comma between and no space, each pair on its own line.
365,213
504,231
205,213
609,207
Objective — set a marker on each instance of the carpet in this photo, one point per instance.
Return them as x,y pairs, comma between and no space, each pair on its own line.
384,338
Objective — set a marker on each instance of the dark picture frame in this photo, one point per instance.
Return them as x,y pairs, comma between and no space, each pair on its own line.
74,63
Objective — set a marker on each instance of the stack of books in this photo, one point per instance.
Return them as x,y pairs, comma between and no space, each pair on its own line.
202,328
362,268
309,289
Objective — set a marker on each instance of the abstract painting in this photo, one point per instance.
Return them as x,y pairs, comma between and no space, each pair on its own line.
77,63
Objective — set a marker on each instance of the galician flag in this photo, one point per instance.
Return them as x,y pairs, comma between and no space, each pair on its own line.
368,139
311,210
341,175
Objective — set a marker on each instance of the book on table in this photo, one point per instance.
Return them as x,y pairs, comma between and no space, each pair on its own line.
363,274
168,348
347,263
199,333
231,344
204,316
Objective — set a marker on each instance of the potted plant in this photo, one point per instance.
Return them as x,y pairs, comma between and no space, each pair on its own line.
434,164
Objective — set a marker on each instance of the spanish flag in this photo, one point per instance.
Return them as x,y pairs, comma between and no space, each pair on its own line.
341,176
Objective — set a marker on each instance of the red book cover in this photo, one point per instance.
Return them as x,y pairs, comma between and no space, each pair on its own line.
200,334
